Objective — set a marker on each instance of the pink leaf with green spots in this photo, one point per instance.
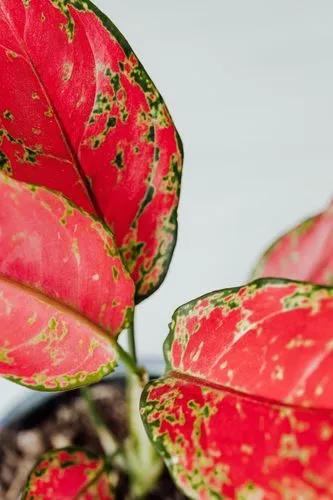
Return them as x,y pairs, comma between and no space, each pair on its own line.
70,474
245,409
64,292
305,253
84,118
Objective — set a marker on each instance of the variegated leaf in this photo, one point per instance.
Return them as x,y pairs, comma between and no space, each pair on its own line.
304,253
70,474
79,114
245,409
63,288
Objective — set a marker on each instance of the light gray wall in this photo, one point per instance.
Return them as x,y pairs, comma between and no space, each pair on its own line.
249,85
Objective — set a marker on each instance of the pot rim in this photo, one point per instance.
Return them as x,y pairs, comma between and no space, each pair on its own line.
31,402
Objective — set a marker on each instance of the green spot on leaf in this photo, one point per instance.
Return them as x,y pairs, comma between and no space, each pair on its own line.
119,160
8,115
5,165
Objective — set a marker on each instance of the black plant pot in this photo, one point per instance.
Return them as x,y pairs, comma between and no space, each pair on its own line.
44,421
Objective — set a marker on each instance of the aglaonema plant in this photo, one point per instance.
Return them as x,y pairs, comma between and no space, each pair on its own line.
245,409
91,168
303,253
71,473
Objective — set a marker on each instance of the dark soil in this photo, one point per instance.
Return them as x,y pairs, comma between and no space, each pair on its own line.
63,421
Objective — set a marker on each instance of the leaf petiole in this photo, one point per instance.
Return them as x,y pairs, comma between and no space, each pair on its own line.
130,363
107,440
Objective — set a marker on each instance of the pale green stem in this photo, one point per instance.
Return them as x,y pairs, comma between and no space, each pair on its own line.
137,456
107,440
131,341
144,465
130,363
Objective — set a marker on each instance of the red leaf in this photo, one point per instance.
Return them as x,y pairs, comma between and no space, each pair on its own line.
305,253
246,406
62,286
79,114
69,474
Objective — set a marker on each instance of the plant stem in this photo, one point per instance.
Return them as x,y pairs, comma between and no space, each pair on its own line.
130,363
144,465
107,440
131,341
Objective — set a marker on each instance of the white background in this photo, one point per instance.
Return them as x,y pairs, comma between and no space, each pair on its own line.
250,87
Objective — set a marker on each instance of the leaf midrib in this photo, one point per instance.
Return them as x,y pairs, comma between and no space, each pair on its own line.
75,162
245,395
59,306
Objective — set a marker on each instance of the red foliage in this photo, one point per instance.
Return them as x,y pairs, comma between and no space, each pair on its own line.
305,253
246,406
68,474
79,114
62,286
